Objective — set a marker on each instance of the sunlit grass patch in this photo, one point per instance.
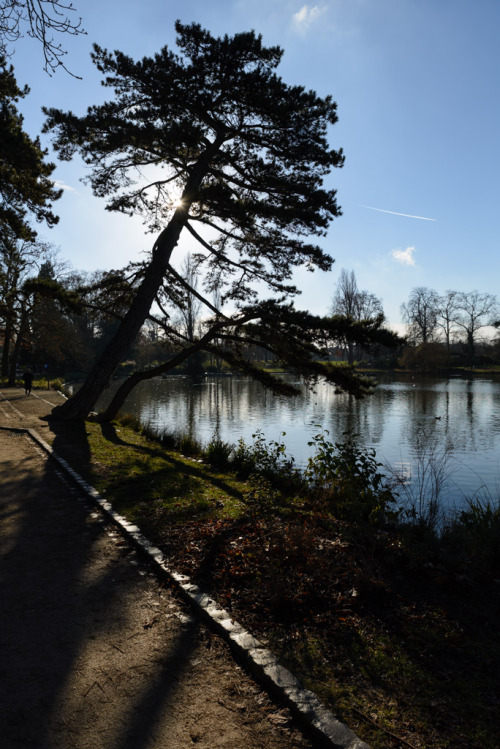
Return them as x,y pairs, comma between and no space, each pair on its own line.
136,473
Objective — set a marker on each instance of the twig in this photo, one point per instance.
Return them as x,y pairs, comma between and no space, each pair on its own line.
117,648
134,635
381,728
139,665
92,686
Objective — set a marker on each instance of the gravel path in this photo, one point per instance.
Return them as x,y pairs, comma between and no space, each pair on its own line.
94,650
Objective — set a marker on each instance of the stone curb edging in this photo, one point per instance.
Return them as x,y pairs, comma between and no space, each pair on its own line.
280,683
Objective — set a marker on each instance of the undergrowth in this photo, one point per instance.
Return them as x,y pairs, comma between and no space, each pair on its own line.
345,481
390,617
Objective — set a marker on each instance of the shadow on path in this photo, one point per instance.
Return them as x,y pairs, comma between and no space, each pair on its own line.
89,656
94,651
45,543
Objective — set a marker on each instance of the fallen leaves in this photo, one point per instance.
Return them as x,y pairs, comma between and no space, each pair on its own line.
343,615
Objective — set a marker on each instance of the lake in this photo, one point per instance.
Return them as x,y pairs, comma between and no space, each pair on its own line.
455,420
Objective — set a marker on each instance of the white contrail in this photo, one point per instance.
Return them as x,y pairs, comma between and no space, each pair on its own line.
63,186
395,213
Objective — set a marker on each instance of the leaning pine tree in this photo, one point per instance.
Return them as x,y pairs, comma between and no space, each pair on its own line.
211,142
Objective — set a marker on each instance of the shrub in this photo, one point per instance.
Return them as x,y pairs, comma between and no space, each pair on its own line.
243,460
470,541
427,357
269,460
348,479
169,440
189,446
128,420
218,453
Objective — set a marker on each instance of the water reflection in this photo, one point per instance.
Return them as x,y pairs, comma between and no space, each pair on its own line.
458,415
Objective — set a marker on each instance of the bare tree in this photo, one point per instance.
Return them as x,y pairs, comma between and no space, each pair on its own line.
420,314
369,306
357,305
346,293
191,305
475,310
40,19
446,312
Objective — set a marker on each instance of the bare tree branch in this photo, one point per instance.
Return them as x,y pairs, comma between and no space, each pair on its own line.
40,19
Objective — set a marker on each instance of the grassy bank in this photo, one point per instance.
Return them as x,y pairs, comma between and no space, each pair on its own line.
393,624
39,383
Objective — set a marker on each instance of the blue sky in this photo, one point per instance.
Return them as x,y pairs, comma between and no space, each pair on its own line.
418,94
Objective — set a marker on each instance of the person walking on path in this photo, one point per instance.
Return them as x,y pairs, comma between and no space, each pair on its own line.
28,381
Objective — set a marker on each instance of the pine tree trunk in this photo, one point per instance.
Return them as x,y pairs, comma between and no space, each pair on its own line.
79,406
119,397
17,348
6,349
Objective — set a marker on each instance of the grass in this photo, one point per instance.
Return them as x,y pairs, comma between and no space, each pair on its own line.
141,477
38,382
394,626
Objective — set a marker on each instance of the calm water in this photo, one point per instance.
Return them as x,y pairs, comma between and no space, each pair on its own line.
455,415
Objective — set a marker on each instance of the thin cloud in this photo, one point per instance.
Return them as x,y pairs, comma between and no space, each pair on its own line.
306,15
405,257
396,213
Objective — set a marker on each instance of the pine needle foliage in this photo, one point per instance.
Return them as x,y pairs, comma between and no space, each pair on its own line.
209,141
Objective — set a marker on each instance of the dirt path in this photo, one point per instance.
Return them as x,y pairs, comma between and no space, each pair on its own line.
94,650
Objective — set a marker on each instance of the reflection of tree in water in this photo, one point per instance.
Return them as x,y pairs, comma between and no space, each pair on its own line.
392,419
218,403
450,422
364,417
423,413
348,416
470,410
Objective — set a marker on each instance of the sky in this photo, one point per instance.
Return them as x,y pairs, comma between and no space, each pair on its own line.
417,88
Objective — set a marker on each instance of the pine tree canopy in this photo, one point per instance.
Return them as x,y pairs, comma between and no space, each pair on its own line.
215,136
26,190
212,141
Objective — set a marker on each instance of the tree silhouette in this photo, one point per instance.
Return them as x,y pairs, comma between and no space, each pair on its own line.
26,191
40,19
350,301
474,310
212,143
421,314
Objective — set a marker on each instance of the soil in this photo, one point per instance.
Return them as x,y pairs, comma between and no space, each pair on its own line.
95,650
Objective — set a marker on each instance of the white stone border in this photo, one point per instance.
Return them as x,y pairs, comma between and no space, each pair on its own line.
279,682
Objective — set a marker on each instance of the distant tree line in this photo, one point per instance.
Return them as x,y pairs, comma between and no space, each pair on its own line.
449,329
442,330
59,321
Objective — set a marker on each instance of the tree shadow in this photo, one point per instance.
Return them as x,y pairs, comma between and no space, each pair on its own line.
155,700
47,546
71,443
52,609
109,432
